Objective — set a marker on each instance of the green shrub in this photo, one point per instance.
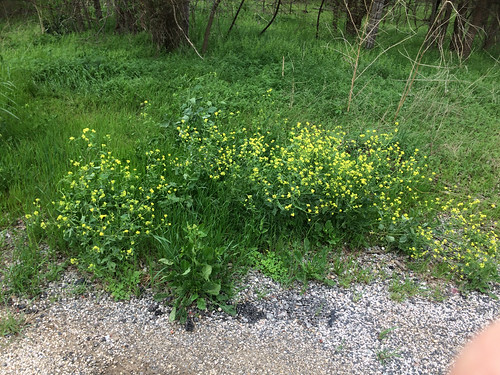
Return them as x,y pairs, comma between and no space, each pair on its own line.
315,187
366,189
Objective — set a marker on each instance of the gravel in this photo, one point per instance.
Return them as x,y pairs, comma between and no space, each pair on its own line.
314,330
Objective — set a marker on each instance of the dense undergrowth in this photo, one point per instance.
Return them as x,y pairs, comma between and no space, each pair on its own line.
177,172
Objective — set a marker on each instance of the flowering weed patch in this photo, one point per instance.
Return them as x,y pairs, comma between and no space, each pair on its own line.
364,190
314,187
108,211
114,218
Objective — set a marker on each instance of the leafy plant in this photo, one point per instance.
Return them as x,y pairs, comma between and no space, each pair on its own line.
385,355
11,324
270,263
399,291
385,332
195,274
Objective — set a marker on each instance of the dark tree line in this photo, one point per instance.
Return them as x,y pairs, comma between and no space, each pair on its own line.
166,20
452,24
469,18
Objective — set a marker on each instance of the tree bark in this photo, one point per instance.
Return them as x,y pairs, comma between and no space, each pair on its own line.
319,15
167,20
209,25
272,19
435,8
77,15
355,11
235,17
456,43
438,24
376,10
443,27
98,9
492,32
479,15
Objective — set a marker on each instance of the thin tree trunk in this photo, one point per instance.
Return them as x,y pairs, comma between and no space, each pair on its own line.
77,12
319,15
272,19
335,13
435,8
209,25
478,17
438,24
443,27
98,10
356,10
235,17
373,23
492,31
456,43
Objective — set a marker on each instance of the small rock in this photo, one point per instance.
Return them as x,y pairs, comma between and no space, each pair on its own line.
159,312
80,281
332,319
153,307
189,325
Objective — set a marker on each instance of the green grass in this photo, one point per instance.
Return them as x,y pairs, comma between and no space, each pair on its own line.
11,324
63,84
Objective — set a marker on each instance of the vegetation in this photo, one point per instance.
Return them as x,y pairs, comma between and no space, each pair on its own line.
142,167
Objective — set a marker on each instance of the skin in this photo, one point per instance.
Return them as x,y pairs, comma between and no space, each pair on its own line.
481,356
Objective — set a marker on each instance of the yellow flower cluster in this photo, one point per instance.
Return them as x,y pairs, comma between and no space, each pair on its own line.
463,240
366,184
315,172
107,208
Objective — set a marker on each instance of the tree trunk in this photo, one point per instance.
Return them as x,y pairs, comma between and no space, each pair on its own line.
492,31
373,23
272,19
235,17
479,15
98,9
167,20
77,14
456,43
125,16
319,15
355,11
439,24
435,8
336,11
209,25
443,27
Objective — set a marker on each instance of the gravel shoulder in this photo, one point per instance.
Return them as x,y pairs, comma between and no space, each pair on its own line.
319,330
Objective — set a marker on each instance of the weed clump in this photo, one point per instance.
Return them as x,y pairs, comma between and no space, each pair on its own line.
314,184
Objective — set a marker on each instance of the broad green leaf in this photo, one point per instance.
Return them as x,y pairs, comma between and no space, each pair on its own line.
191,299
168,262
307,244
201,303
206,271
211,287
171,317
